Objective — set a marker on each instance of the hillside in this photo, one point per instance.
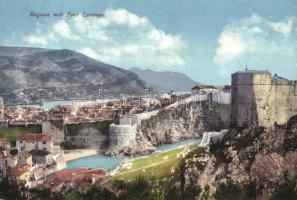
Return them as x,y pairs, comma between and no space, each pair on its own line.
251,163
166,81
30,74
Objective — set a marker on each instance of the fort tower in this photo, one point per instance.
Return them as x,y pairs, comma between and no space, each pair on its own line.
258,98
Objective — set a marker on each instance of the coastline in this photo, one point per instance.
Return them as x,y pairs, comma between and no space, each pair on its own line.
128,161
79,153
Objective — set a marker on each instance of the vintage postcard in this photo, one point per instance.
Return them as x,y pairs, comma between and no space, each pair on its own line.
148,99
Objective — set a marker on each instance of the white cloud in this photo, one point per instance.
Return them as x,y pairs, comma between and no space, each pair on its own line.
36,40
61,28
231,45
120,38
256,30
89,52
257,40
284,27
123,17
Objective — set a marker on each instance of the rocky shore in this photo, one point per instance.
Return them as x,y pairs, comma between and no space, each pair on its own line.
249,163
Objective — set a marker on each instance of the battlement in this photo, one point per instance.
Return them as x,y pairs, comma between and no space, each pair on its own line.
258,98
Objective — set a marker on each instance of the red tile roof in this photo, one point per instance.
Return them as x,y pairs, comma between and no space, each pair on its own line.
25,154
17,170
63,176
85,180
36,137
81,177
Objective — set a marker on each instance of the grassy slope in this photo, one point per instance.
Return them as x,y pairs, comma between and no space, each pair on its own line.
152,166
153,171
142,162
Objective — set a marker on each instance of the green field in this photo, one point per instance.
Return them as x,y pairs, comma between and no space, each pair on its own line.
142,162
158,165
157,171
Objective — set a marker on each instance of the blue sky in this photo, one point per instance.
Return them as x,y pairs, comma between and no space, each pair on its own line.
207,40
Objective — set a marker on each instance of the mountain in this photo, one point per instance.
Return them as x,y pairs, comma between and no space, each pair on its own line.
30,74
166,81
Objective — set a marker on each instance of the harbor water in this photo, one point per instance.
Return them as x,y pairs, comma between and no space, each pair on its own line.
109,163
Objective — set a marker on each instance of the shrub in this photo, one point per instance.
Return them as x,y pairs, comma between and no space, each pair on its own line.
13,152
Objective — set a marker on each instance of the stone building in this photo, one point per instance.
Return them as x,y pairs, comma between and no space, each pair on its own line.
56,128
30,142
1,109
204,89
258,98
123,134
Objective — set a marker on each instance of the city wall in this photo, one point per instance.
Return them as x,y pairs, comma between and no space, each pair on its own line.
92,135
260,99
122,135
56,128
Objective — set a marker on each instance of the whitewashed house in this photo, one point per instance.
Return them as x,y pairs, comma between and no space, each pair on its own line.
11,161
31,142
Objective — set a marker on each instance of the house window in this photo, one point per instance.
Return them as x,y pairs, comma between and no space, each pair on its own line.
43,142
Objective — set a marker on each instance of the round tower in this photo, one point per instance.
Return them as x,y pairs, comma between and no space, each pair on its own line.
1,109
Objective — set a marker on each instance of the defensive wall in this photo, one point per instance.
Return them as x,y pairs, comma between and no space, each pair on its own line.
260,99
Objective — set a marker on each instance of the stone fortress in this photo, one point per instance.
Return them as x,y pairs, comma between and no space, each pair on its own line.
124,133
1,109
258,98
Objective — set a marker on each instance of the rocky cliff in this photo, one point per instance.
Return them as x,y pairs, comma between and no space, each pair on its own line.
173,125
87,135
249,163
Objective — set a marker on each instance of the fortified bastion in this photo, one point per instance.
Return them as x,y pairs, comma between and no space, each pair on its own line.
123,134
260,99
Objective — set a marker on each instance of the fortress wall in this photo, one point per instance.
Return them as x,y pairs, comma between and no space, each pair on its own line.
92,135
276,100
122,135
146,115
125,121
222,97
56,128
280,105
258,99
243,111
262,88
1,109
